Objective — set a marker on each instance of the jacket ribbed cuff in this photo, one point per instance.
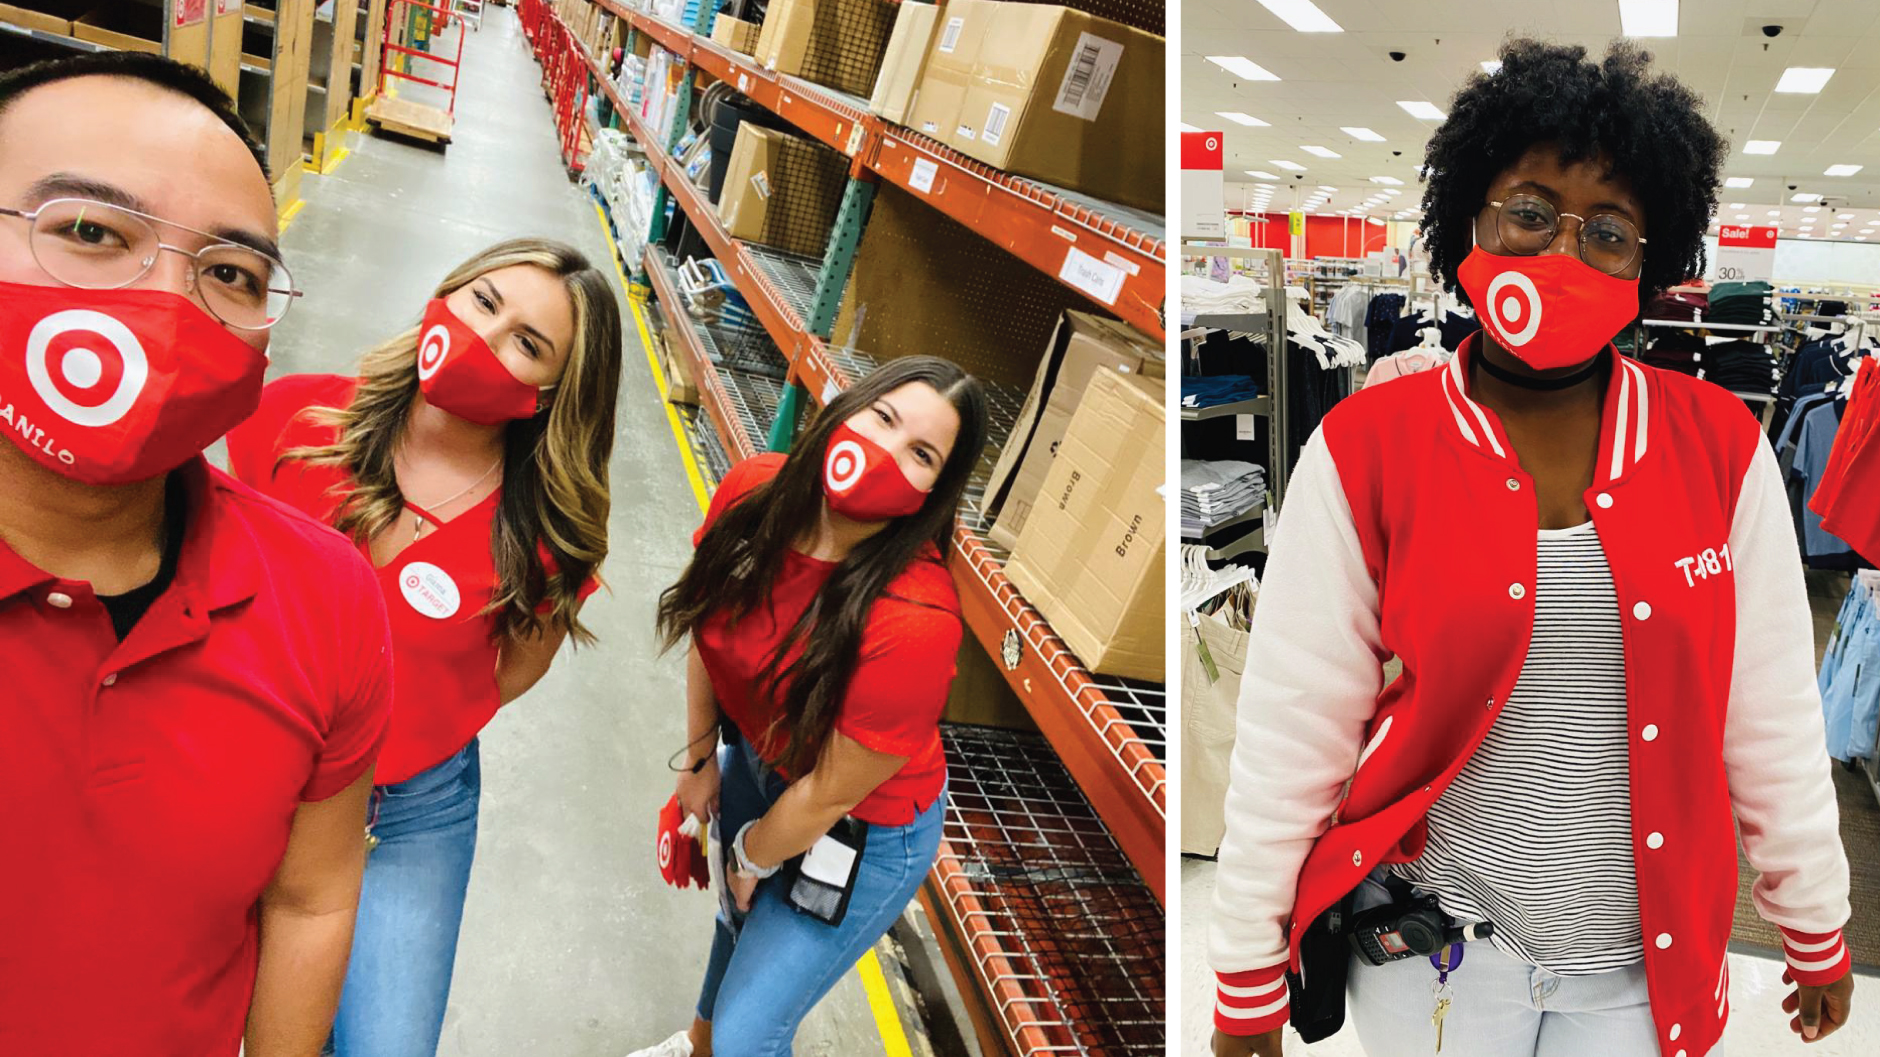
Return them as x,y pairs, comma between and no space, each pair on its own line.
1251,1003
1816,958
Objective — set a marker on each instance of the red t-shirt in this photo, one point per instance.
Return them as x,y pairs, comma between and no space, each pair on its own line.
1848,496
147,786
900,683
436,589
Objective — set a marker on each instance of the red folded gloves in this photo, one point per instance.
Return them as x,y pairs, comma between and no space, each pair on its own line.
682,859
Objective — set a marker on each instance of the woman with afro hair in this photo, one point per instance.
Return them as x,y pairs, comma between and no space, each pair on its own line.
1588,572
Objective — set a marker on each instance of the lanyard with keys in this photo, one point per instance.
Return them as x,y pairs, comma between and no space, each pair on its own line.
1445,962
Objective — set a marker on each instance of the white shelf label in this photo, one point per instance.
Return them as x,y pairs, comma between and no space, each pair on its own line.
1244,428
921,179
1122,262
1084,272
829,391
744,81
855,140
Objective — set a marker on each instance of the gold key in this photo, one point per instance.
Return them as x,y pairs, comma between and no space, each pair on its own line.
1442,1012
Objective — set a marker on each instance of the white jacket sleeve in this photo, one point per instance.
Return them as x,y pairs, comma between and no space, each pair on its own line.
1774,745
1314,669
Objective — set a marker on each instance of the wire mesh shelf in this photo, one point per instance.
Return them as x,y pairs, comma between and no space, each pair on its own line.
1060,931
794,276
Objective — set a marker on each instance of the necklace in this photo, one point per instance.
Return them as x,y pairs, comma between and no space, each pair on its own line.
418,514
1528,381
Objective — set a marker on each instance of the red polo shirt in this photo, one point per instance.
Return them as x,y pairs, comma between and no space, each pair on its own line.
147,786
436,589
900,683
1848,497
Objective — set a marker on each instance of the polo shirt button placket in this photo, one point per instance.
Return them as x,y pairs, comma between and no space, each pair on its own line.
59,600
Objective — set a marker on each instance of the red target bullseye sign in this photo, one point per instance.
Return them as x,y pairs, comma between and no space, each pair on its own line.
1514,307
87,367
845,465
433,349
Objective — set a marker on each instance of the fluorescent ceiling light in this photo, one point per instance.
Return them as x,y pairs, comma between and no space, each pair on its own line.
1736,205
1391,180
1391,191
1322,152
1843,216
1289,166
1359,132
1842,170
1260,174
1243,67
1804,80
1245,119
1866,231
1327,187
1860,238
1302,15
1648,18
1186,127
1811,209
1804,196
1491,66
1419,108
1775,212
1738,181
1762,146
1742,216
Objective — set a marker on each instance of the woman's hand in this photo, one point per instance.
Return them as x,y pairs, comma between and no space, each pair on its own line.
1265,1044
1822,1010
698,793
742,887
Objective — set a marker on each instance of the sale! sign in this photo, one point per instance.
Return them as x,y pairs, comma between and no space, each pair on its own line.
1745,254
1204,191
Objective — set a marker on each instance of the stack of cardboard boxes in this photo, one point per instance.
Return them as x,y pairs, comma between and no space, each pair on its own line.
781,190
836,43
735,33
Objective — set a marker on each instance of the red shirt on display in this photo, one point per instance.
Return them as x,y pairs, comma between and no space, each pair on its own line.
901,680
436,589
1848,497
147,786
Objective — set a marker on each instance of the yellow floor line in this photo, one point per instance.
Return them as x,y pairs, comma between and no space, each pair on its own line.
880,1003
288,214
339,155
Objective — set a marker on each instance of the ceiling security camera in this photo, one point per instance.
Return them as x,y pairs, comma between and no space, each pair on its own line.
1398,56
1772,31
1793,186
1396,154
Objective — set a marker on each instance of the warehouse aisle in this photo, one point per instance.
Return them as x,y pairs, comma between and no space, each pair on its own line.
571,944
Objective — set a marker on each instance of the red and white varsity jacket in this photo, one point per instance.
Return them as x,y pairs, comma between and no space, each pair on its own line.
1410,530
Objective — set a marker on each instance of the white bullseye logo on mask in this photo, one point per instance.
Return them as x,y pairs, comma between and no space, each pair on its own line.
1520,308
83,365
846,462
432,349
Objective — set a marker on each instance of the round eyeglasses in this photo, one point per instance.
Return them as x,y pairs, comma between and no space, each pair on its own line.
1528,225
96,246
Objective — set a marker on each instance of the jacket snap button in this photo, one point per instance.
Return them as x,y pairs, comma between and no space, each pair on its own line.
1681,1053
1676,1030
1650,733
1664,940
1514,485
1642,610
111,680
1490,703
1604,501
59,600
1357,858
1654,841
1517,591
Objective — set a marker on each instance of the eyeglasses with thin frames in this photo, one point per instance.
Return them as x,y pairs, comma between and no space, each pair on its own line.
1528,224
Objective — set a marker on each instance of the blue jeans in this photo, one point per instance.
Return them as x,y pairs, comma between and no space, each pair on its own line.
771,966
405,940
1501,1007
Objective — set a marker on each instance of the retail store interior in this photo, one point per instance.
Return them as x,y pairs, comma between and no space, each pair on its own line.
756,178
1320,119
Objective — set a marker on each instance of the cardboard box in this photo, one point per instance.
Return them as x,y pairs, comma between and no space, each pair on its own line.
906,60
782,190
837,43
53,17
1090,556
1083,345
1049,93
123,28
681,388
735,33
980,695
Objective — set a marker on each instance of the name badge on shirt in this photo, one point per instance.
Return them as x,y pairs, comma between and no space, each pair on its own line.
429,590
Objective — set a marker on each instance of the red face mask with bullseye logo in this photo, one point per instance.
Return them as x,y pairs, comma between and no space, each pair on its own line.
459,372
111,387
1552,310
863,482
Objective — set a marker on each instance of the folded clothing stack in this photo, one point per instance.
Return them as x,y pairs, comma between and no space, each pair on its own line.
1741,367
1740,303
1675,350
1202,296
1209,390
1681,307
1217,491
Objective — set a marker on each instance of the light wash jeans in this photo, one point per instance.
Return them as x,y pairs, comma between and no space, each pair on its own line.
771,966
1500,1007
410,910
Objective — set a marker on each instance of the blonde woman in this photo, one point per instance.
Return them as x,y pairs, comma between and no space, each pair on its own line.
468,461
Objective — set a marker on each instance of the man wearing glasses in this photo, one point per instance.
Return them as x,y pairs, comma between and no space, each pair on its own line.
197,679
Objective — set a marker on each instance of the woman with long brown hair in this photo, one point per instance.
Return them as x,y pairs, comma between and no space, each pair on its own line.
468,461
823,626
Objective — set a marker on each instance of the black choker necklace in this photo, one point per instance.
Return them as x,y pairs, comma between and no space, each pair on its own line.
1528,381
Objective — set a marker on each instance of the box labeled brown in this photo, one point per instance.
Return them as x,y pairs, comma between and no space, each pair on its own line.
906,59
735,33
781,190
1082,346
1090,555
838,43
1049,93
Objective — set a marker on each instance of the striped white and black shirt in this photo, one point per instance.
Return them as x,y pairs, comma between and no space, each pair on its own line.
1535,832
